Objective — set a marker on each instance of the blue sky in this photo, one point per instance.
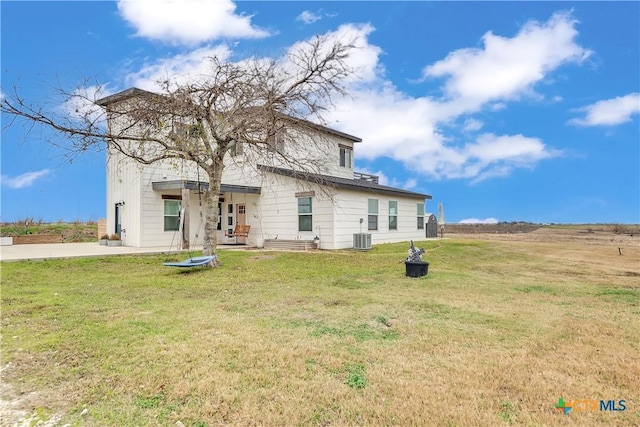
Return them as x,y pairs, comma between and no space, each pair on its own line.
502,111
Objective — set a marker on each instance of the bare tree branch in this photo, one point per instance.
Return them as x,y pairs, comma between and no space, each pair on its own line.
255,105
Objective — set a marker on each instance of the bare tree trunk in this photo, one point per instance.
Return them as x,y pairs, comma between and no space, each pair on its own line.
211,199
186,229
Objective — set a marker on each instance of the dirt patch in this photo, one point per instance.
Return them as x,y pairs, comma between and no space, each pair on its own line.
262,257
600,235
11,402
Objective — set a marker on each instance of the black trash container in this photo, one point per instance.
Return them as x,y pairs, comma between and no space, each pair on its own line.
417,268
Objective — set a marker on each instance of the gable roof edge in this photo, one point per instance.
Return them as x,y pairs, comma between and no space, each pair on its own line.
134,92
345,183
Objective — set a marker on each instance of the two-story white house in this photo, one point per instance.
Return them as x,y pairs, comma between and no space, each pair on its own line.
327,201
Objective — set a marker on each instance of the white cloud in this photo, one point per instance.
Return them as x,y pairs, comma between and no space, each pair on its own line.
187,21
410,129
407,130
178,69
471,125
308,17
479,221
493,156
81,104
409,184
507,68
363,58
413,130
193,65
609,112
25,180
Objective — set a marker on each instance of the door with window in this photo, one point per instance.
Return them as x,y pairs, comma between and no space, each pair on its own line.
241,219
118,224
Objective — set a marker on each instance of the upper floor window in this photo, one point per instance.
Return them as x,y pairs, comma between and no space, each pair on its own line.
183,132
276,142
393,215
373,214
346,157
420,216
236,149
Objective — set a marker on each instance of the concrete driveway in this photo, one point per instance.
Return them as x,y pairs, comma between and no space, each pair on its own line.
74,250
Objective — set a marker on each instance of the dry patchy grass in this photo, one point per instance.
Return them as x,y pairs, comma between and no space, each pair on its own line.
495,334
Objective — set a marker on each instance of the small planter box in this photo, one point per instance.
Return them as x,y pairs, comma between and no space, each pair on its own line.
416,269
114,242
103,242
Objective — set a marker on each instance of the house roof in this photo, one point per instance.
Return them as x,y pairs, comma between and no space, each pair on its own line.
124,95
345,183
195,185
135,92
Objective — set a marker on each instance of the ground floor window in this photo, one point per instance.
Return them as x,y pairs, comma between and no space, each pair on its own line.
305,214
393,215
172,215
373,214
420,216
219,216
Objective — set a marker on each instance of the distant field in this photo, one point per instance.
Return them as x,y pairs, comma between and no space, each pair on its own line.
71,231
499,330
525,227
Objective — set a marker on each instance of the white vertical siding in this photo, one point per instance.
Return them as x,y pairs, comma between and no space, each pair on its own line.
152,211
320,153
336,213
353,205
279,211
336,217
123,184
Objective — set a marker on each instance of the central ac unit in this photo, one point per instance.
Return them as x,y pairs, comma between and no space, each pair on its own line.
362,241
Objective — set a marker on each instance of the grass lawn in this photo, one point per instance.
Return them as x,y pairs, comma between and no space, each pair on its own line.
494,335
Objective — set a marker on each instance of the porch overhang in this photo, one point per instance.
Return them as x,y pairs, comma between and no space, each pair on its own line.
183,184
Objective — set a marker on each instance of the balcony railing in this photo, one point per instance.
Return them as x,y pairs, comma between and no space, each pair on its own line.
366,177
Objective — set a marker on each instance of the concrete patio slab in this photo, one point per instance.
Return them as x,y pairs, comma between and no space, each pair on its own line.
91,249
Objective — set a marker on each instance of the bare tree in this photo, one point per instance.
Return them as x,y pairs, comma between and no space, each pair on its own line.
251,103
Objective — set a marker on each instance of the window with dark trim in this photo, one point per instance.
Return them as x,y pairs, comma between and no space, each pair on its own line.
393,215
346,157
230,215
275,143
420,216
236,149
172,214
373,214
305,214
219,216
